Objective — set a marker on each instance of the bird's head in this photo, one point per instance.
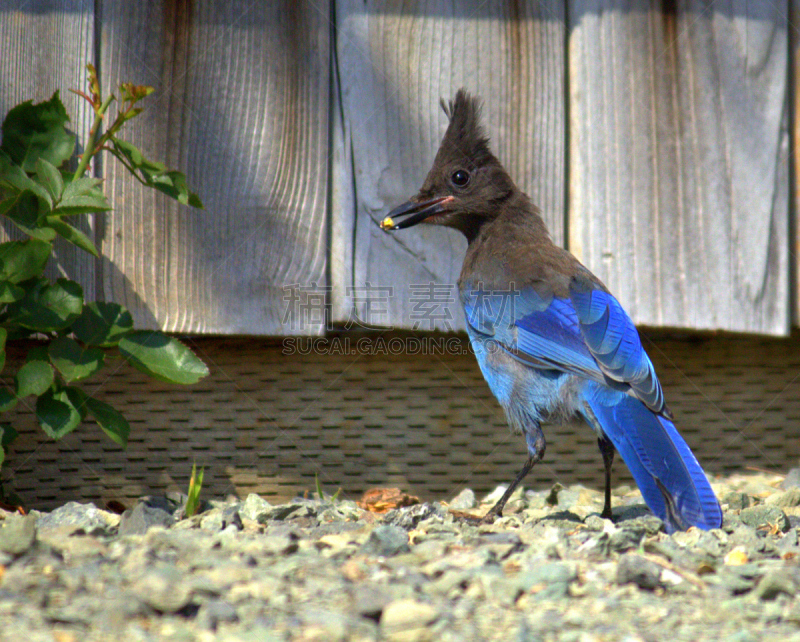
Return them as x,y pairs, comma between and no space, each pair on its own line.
466,185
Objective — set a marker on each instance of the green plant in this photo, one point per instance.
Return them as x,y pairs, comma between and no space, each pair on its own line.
40,194
193,495
320,494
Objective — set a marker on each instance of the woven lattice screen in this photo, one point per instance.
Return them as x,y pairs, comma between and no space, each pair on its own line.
267,422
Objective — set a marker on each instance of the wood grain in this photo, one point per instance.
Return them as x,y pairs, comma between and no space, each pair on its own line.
241,106
678,144
794,48
45,47
394,61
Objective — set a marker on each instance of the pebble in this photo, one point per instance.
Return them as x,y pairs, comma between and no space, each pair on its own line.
551,568
638,570
17,534
465,500
142,517
385,541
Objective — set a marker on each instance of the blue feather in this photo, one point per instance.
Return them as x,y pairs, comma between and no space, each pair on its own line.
590,335
657,457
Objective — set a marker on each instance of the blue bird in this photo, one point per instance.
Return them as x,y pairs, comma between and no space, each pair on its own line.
551,341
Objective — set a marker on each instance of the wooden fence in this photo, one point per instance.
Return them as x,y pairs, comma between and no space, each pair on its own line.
655,136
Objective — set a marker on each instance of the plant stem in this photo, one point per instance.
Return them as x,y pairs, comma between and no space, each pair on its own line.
90,148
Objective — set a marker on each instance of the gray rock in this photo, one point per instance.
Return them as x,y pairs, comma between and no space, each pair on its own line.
627,514
369,602
596,523
218,519
765,516
164,589
635,569
792,479
737,500
215,611
386,540
550,581
279,545
407,615
775,583
625,539
789,542
787,499
410,517
142,517
255,508
85,518
287,511
17,534
737,580
465,500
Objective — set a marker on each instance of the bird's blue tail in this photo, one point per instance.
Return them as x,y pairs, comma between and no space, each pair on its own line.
671,481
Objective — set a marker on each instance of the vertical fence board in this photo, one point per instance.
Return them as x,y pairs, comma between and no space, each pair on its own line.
679,159
44,47
794,48
393,64
241,105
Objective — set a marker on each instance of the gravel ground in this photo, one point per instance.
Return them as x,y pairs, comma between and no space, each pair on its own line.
551,569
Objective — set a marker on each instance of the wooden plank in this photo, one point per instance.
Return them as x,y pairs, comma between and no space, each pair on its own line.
393,64
794,47
241,106
679,160
45,46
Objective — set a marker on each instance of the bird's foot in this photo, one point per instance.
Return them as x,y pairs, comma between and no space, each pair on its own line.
475,520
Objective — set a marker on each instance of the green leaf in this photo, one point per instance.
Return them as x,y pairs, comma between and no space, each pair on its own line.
27,213
7,435
73,361
34,378
3,337
77,398
73,235
50,178
7,400
134,93
15,178
111,421
22,260
82,197
103,324
193,494
155,175
56,413
10,292
48,306
31,132
37,353
162,357
23,210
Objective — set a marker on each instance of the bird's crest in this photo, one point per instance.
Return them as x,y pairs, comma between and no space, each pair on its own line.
465,134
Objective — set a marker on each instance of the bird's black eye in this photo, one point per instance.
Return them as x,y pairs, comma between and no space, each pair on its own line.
460,178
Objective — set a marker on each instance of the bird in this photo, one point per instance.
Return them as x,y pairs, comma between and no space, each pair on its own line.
551,341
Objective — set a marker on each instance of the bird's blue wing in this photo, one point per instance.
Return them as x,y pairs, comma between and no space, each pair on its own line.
535,327
614,342
588,334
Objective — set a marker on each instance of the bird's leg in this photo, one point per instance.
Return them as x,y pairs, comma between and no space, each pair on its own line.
607,450
536,446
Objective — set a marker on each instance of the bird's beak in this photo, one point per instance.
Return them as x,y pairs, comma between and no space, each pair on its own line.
413,213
